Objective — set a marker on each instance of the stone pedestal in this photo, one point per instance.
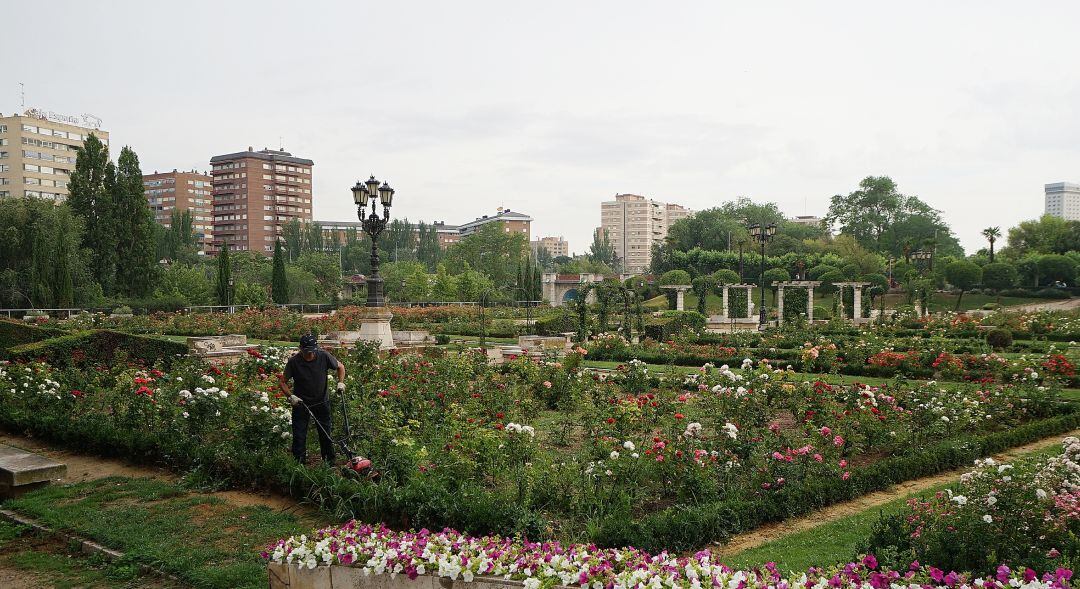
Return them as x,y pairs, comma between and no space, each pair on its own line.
375,326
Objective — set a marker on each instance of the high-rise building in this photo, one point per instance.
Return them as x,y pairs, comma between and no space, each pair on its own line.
1063,200
182,191
255,194
634,224
556,246
38,150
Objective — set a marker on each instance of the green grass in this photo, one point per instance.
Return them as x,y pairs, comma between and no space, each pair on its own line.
201,538
47,560
834,542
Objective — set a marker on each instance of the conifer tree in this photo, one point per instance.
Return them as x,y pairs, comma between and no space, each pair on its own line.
224,294
136,264
279,284
90,198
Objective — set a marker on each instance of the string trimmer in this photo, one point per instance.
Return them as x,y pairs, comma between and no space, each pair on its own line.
356,464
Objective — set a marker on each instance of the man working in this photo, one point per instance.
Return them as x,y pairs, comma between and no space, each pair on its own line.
308,371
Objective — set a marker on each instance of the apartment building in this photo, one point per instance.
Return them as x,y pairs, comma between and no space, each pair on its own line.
183,191
634,224
38,150
1063,200
254,194
556,246
509,221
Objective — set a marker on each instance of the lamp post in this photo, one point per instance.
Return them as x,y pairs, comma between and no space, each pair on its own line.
762,233
924,255
373,225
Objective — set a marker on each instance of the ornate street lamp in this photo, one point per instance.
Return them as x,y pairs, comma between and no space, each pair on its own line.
924,255
373,225
762,233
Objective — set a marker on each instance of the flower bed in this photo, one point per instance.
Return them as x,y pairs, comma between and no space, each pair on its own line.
542,448
375,550
1028,512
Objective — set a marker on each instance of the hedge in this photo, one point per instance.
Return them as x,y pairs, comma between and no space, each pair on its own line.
84,347
684,528
17,333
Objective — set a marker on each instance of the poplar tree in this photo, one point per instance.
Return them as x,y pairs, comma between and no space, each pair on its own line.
279,284
136,264
90,198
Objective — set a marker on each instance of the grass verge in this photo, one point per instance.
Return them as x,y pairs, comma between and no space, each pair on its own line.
202,539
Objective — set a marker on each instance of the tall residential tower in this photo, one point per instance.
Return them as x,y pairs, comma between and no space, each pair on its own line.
634,224
255,193
38,149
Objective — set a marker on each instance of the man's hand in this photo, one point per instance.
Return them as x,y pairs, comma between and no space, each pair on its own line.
294,400
341,387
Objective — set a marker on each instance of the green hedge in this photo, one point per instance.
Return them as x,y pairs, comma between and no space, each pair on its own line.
17,333
90,347
684,528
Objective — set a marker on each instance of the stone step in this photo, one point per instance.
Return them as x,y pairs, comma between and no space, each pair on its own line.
21,471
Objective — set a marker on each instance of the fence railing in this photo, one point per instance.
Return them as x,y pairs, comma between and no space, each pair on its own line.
66,313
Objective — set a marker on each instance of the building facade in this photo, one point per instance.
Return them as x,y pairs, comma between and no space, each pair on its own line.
811,220
556,246
1063,200
634,224
510,222
183,191
38,151
254,194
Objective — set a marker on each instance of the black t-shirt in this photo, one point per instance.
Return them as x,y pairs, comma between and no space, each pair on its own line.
309,378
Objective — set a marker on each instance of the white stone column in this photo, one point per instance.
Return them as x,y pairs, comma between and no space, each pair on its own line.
856,305
780,305
749,302
809,305
679,299
725,300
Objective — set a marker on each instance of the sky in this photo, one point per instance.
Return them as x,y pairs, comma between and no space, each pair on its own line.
550,108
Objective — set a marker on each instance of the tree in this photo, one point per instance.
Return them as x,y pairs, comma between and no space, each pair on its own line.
187,282
602,250
224,276
90,198
136,264
999,276
444,288
326,272
178,242
428,251
1046,235
883,220
279,283
991,234
964,275
293,233
1056,268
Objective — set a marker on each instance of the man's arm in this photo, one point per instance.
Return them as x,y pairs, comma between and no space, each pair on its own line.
340,376
283,385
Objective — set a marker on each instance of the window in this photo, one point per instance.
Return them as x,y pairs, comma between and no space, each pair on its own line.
3,128
3,141
5,168
4,181
3,154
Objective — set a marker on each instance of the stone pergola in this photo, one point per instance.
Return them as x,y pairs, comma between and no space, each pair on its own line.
808,285
749,299
856,304
680,294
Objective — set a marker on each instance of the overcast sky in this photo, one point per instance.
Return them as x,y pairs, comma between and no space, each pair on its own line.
551,107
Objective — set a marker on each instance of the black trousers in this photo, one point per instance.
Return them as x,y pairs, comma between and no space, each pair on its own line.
300,423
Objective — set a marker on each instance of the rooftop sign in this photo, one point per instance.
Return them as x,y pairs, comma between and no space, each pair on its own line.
85,120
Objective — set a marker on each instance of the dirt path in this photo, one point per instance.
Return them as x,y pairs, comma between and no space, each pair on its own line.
1062,305
777,530
84,467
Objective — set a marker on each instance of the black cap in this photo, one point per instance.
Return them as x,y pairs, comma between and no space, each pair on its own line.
308,343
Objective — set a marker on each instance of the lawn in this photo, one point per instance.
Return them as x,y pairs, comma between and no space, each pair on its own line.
833,542
202,539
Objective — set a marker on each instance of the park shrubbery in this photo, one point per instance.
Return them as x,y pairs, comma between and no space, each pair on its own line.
16,333
535,447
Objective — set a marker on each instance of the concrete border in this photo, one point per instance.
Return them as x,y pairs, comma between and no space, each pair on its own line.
88,547
293,576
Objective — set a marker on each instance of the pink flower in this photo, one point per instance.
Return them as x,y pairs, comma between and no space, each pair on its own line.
825,431
846,475
547,384
838,441
818,457
843,464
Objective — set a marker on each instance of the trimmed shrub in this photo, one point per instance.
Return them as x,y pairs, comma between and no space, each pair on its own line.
557,324
89,347
671,323
999,339
1051,293
17,333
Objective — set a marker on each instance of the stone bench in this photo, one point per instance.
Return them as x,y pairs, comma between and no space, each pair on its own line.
22,471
